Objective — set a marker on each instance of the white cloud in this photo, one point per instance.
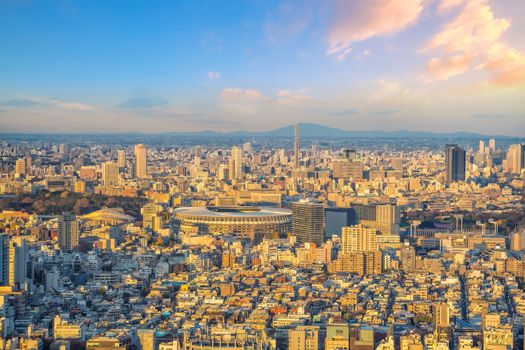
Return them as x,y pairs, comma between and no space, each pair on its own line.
213,75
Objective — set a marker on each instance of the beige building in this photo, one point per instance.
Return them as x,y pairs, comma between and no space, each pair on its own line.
303,338
141,170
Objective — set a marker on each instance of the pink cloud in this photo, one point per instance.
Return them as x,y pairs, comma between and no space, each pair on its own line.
475,35
358,20
443,69
474,28
447,5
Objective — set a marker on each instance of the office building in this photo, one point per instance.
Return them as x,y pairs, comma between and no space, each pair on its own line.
358,239
235,164
337,218
455,162
492,145
408,258
441,316
121,158
384,218
141,161
68,232
303,338
110,174
20,167
152,216
308,221
515,159
5,242
337,336
146,339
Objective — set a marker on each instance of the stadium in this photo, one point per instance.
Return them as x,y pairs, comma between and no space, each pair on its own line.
249,222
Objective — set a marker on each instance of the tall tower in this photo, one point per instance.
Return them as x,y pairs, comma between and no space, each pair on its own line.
68,233
235,163
455,161
296,146
140,160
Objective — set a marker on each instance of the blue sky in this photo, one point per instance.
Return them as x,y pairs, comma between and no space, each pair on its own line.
101,66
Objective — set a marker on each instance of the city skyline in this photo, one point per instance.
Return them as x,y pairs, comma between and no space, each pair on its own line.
422,65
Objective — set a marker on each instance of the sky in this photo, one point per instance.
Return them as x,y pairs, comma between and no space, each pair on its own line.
224,65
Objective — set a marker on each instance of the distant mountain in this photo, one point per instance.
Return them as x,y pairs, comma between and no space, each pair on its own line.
311,130
306,130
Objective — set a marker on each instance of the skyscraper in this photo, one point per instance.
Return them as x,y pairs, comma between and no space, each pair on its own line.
4,259
20,167
110,174
13,260
141,161
18,258
235,163
455,161
296,146
515,159
121,158
68,232
308,221
481,147
492,145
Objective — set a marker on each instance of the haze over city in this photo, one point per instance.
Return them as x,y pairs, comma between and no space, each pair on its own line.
108,66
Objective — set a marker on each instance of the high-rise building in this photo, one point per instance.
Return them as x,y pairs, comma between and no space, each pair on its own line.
481,147
441,316
515,159
4,259
141,164
247,148
235,163
337,336
303,338
358,239
152,216
146,339
362,338
350,154
296,146
455,161
110,174
63,151
492,145
308,221
121,158
68,232
337,218
384,218
408,258
18,259
20,167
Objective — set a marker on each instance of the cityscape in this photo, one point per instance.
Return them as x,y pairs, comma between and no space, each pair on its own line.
195,215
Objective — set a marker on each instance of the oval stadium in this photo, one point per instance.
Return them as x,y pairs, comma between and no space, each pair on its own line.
249,222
